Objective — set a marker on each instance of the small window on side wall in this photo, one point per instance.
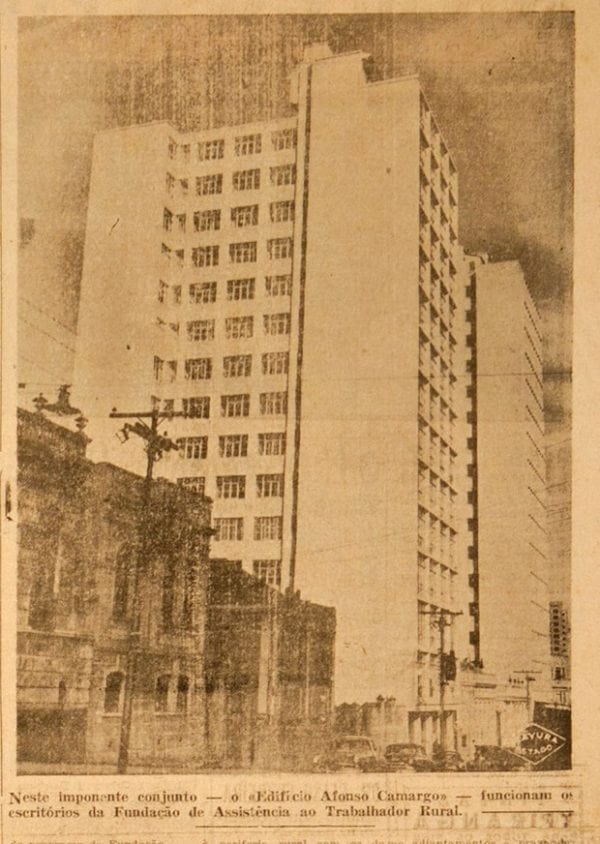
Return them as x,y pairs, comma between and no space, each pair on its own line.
183,689
161,697
112,692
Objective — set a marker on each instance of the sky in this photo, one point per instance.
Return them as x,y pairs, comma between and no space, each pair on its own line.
500,85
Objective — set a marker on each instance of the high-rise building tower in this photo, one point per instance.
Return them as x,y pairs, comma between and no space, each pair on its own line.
297,288
507,474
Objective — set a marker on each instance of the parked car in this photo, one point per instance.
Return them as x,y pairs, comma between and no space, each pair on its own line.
489,757
449,760
406,757
349,752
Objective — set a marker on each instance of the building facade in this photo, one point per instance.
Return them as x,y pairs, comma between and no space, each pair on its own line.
560,651
269,673
297,288
78,546
230,673
507,476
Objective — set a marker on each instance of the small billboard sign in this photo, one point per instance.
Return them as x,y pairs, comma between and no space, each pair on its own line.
536,743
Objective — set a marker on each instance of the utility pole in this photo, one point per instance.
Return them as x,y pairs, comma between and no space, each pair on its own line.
443,618
529,679
155,445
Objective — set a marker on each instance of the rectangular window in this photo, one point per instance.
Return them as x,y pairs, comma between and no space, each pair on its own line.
167,220
282,212
268,570
197,407
237,366
176,294
269,486
201,329
165,371
231,486
275,363
280,247
271,443
244,215
233,445
246,180
267,527
273,404
179,256
248,144
205,256
283,174
284,139
240,288
242,253
196,485
193,448
206,185
238,327
207,221
229,529
276,323
278,285
170,182
203,292
163,287
211,150
238,405
197,369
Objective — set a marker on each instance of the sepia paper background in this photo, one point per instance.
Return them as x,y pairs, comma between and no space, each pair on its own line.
583,781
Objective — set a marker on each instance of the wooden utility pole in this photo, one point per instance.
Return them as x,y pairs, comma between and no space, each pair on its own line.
156,444
442,618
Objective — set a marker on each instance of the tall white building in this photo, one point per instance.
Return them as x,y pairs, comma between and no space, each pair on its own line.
507,481
298,289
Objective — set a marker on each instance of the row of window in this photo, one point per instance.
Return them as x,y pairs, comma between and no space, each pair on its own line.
234,366
212,184
251,144
237,328
238,289
431,136
234,486
245,252
241,216
168,692
231,529
232,445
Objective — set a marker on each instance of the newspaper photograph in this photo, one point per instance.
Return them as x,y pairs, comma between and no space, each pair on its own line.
287,426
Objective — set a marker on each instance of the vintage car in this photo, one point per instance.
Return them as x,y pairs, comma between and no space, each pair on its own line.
348,752
407,757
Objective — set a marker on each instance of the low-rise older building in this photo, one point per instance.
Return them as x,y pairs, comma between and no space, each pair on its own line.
230,672
269,673
79,544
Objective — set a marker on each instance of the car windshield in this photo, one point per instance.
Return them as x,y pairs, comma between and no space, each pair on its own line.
353,744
